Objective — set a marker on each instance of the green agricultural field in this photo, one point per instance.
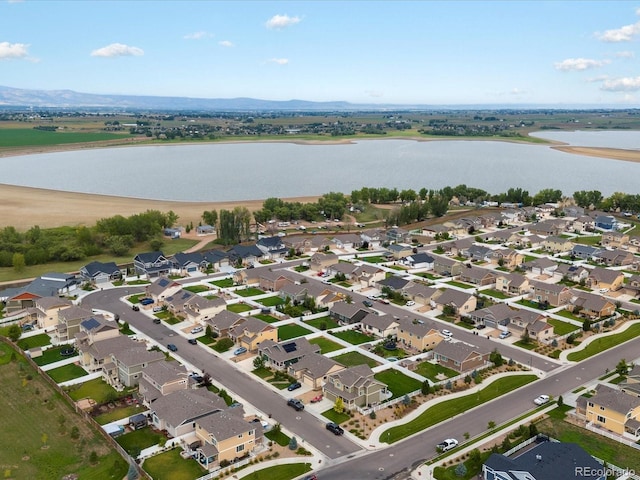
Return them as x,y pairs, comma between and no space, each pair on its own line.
44,437
292,330
19,137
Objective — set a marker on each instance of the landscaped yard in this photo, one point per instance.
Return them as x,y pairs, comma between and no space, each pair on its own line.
434,371
325,344
267,318
171,466
50,355
239,307
455,406
118,414
568,314
351,359
249,292
292,330
278,437
66,372
43,437
495,294
39,340
604,343
223,283
271,301
353,337
336,417
560,327
197,288
459,284
134,442
97,389
326,322
399,384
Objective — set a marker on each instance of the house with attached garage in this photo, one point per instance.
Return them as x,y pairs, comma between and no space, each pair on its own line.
398,251
395,283
313,369
592,306
495,316
356,386
462,302
272,247
460,356
273,281
478,253
477,276
152,264
320,261
421,335
584,252
382,326
345,268
47,309
186,264
99,273
513,284
533,323
194,307
251,332
218,259
605,279
244,254
281,355
556,244
367,275
372,237
347,241
162,378
420,293
161,288
614,239
606,222
583,224
419,261
540,266
615,258
221,322
506,257
397,235
69,320
348,313
447,267
573,273
324,296
553,294
47,285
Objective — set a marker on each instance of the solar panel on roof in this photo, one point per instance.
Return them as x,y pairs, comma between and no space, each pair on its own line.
91,324
289,347
163,282
185,295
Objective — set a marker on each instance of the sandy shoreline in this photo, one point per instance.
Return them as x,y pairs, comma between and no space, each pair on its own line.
24,207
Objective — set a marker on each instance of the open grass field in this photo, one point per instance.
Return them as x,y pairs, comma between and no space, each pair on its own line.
449,408
36,440
19,137
171,466
399,384
604,343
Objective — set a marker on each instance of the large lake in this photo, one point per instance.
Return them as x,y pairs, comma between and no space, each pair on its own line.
218,172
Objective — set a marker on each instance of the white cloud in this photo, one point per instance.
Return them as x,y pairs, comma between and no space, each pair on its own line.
197,35
516,91
226,43
577,64
278,22
600,78
13,50
117,50
625,54
278,61
622,34
374,93
624,84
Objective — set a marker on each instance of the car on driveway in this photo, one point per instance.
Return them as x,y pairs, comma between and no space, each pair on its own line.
410,303
447,445
542,399
239,351
197,329
172,347
294,386
146,301
295,403
335,428
505,334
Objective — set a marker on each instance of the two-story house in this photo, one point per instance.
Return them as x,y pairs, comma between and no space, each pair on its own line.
152,264
356,386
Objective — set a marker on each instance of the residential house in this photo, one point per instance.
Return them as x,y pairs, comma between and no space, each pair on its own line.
320,261
186,264
545,461
614,239
554,294
447,267
478,253
178,412
244,254
460,356
614,410
221,322
281,355
99,273
372,237
395,283
615,258
48,308
152,264
513,284
477,276
324,296
420,293
584,252
606,222
592,306
48,285
251,332
495,316
555,244
540,266
462,302
356,386
205,230
272,247
583,224
95,329
225,437
162,378
549,227
507,258
421,335
382,326
459,248
217,259
348,313
367,275
605,279
313,369
420,261
161,288
69,323
532,323
573,273
194,307
398,251
434,230
272,281
573,211
347,241
397,235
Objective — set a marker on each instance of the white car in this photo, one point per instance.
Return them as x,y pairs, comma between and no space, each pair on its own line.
197,329
541,400
447,445
410,303
447,333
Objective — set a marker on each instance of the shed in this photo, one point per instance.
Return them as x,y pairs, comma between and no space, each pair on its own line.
138,421
113,429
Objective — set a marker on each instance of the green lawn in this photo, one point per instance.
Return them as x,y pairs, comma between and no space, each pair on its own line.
197,288
460,284
336,417
139,440
249,292
326,322
399,384
604,343
39,340
36,440
325,344
271,301
527,346
239,307
224,283
560,327
66,372
278,437
495,294
171,466
353,337
96,389
569,315
432,371
455,406
352,359
292,330
374,259
118,414
223,345
286,471
50,355
266,318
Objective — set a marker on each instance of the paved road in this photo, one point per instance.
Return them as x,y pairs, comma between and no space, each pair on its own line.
305,426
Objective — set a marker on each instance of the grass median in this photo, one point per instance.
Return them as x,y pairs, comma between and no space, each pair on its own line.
604,343
455,406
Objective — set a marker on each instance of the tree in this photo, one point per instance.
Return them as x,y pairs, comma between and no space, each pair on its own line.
338,406
210,217
622,368
560,401
258,362
586,325
496,358
425,389
293,444
406,400
461,470
18,262
14,332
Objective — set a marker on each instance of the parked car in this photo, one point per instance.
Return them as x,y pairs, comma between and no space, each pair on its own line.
135,308
367,303
447,333
239,351
192,341
146,301
157,309
505,334
294,386
410,303
447,445
542,399
480,326
197,329
295,403
157,321
172,347
335,428
311,477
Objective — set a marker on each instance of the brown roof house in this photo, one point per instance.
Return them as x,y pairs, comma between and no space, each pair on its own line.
603,278
382,326
447,267
631,385
614,239
313,369
251,332
556,244
69,320
223,321
477,276
194,307
553,294
615,258
320,261
614,410
281,355
421,335
460,356
533,323
592,306
512,283
162,378
348,313
356,386
462,302
494,316
48,308
161,288
420,293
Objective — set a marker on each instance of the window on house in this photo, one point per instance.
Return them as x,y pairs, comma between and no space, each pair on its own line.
591,404
239,448
602,419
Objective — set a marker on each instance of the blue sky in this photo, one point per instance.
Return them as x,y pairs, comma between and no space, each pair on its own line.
414,52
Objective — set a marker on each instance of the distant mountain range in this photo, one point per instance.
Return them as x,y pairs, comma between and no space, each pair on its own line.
68,99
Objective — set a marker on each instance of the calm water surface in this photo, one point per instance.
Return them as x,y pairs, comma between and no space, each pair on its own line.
218,172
